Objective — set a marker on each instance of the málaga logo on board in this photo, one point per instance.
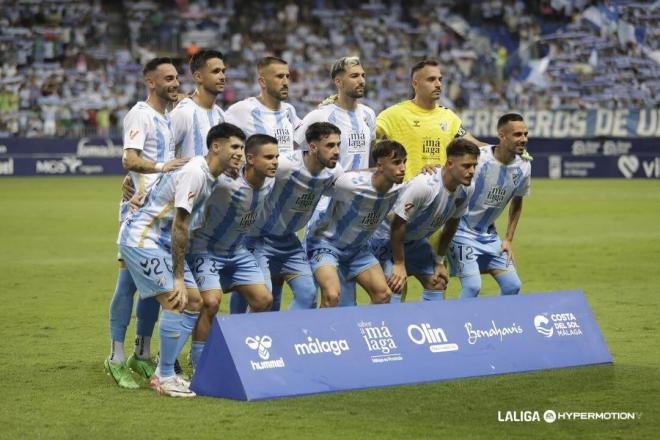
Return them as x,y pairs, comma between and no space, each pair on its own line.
380,342
319,346
262,344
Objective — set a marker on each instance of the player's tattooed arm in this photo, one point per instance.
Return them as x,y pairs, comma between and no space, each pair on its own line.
179,241
132,161
399,276
515,209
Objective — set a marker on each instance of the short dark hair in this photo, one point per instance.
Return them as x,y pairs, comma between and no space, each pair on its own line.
342,63
154,63
223,130
388,148
460,147
420,65
320,130
198,61
267,61
509,117
256,141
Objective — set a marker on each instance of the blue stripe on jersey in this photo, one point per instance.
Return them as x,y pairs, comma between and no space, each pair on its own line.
281,202
160,142
279,116
159,184
256,121
425,215
355,126
253,207
345,221
209,114
197,136
363,236
332,118
164,238
223,225
478,186
486,218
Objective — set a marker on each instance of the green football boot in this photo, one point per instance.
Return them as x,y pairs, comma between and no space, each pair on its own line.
121,375
144,367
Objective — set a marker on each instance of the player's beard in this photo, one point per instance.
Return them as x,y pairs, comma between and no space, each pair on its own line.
355,94
164,94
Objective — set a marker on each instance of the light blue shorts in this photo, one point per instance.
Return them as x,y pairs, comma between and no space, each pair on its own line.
351,262
223,272
419,255
282,255
471,257
151,269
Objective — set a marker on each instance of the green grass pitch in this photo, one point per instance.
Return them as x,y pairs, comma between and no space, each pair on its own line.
57,274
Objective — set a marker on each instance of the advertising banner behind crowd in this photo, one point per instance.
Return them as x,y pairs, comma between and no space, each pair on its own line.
268,355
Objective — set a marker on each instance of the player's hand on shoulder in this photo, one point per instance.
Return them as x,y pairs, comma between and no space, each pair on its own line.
136,202
127,188
429,169
174,164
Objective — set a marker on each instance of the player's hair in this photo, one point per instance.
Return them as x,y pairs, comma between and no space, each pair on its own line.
509,117
223,130
342,63
420,65
460,147
198,61
267,61
388,148
256,141
320,130
154,63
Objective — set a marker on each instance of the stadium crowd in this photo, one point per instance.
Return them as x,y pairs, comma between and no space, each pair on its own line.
73,68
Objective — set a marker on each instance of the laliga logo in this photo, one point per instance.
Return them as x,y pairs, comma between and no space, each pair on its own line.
541,324
261,344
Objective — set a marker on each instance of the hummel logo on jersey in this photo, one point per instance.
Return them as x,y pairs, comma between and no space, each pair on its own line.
416,123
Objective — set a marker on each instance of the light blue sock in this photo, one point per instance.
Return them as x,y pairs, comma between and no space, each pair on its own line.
169,330
196,349
509,283
433,295
121,306
188,322
277,297
395,298
146,316
347,295
237,304
470,286
304,293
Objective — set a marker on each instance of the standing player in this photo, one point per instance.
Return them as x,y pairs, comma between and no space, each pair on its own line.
153,241
301,179
360,200
194,116
420,124
357,123
268,114
148,151
218,256
502,176
428,202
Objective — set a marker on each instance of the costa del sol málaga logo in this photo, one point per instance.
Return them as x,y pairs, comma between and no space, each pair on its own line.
543,326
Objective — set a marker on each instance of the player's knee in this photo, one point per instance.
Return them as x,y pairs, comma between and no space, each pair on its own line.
470,286
330,297
211,305
381,296
509,282
194,303
262,302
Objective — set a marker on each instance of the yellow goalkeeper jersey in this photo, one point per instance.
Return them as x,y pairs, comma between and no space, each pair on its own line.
424,133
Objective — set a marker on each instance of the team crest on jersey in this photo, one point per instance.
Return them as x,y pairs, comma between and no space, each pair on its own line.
517,174
133,133
443,126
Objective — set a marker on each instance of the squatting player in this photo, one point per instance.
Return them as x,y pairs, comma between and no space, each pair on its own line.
218,256
148,151
502,175
302,178
337,240
153,242
427,203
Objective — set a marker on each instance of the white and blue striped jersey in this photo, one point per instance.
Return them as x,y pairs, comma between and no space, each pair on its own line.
295,194
354,212
151,226
253,117
425,204
495,184
190,124
229,215
149,132
358,130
